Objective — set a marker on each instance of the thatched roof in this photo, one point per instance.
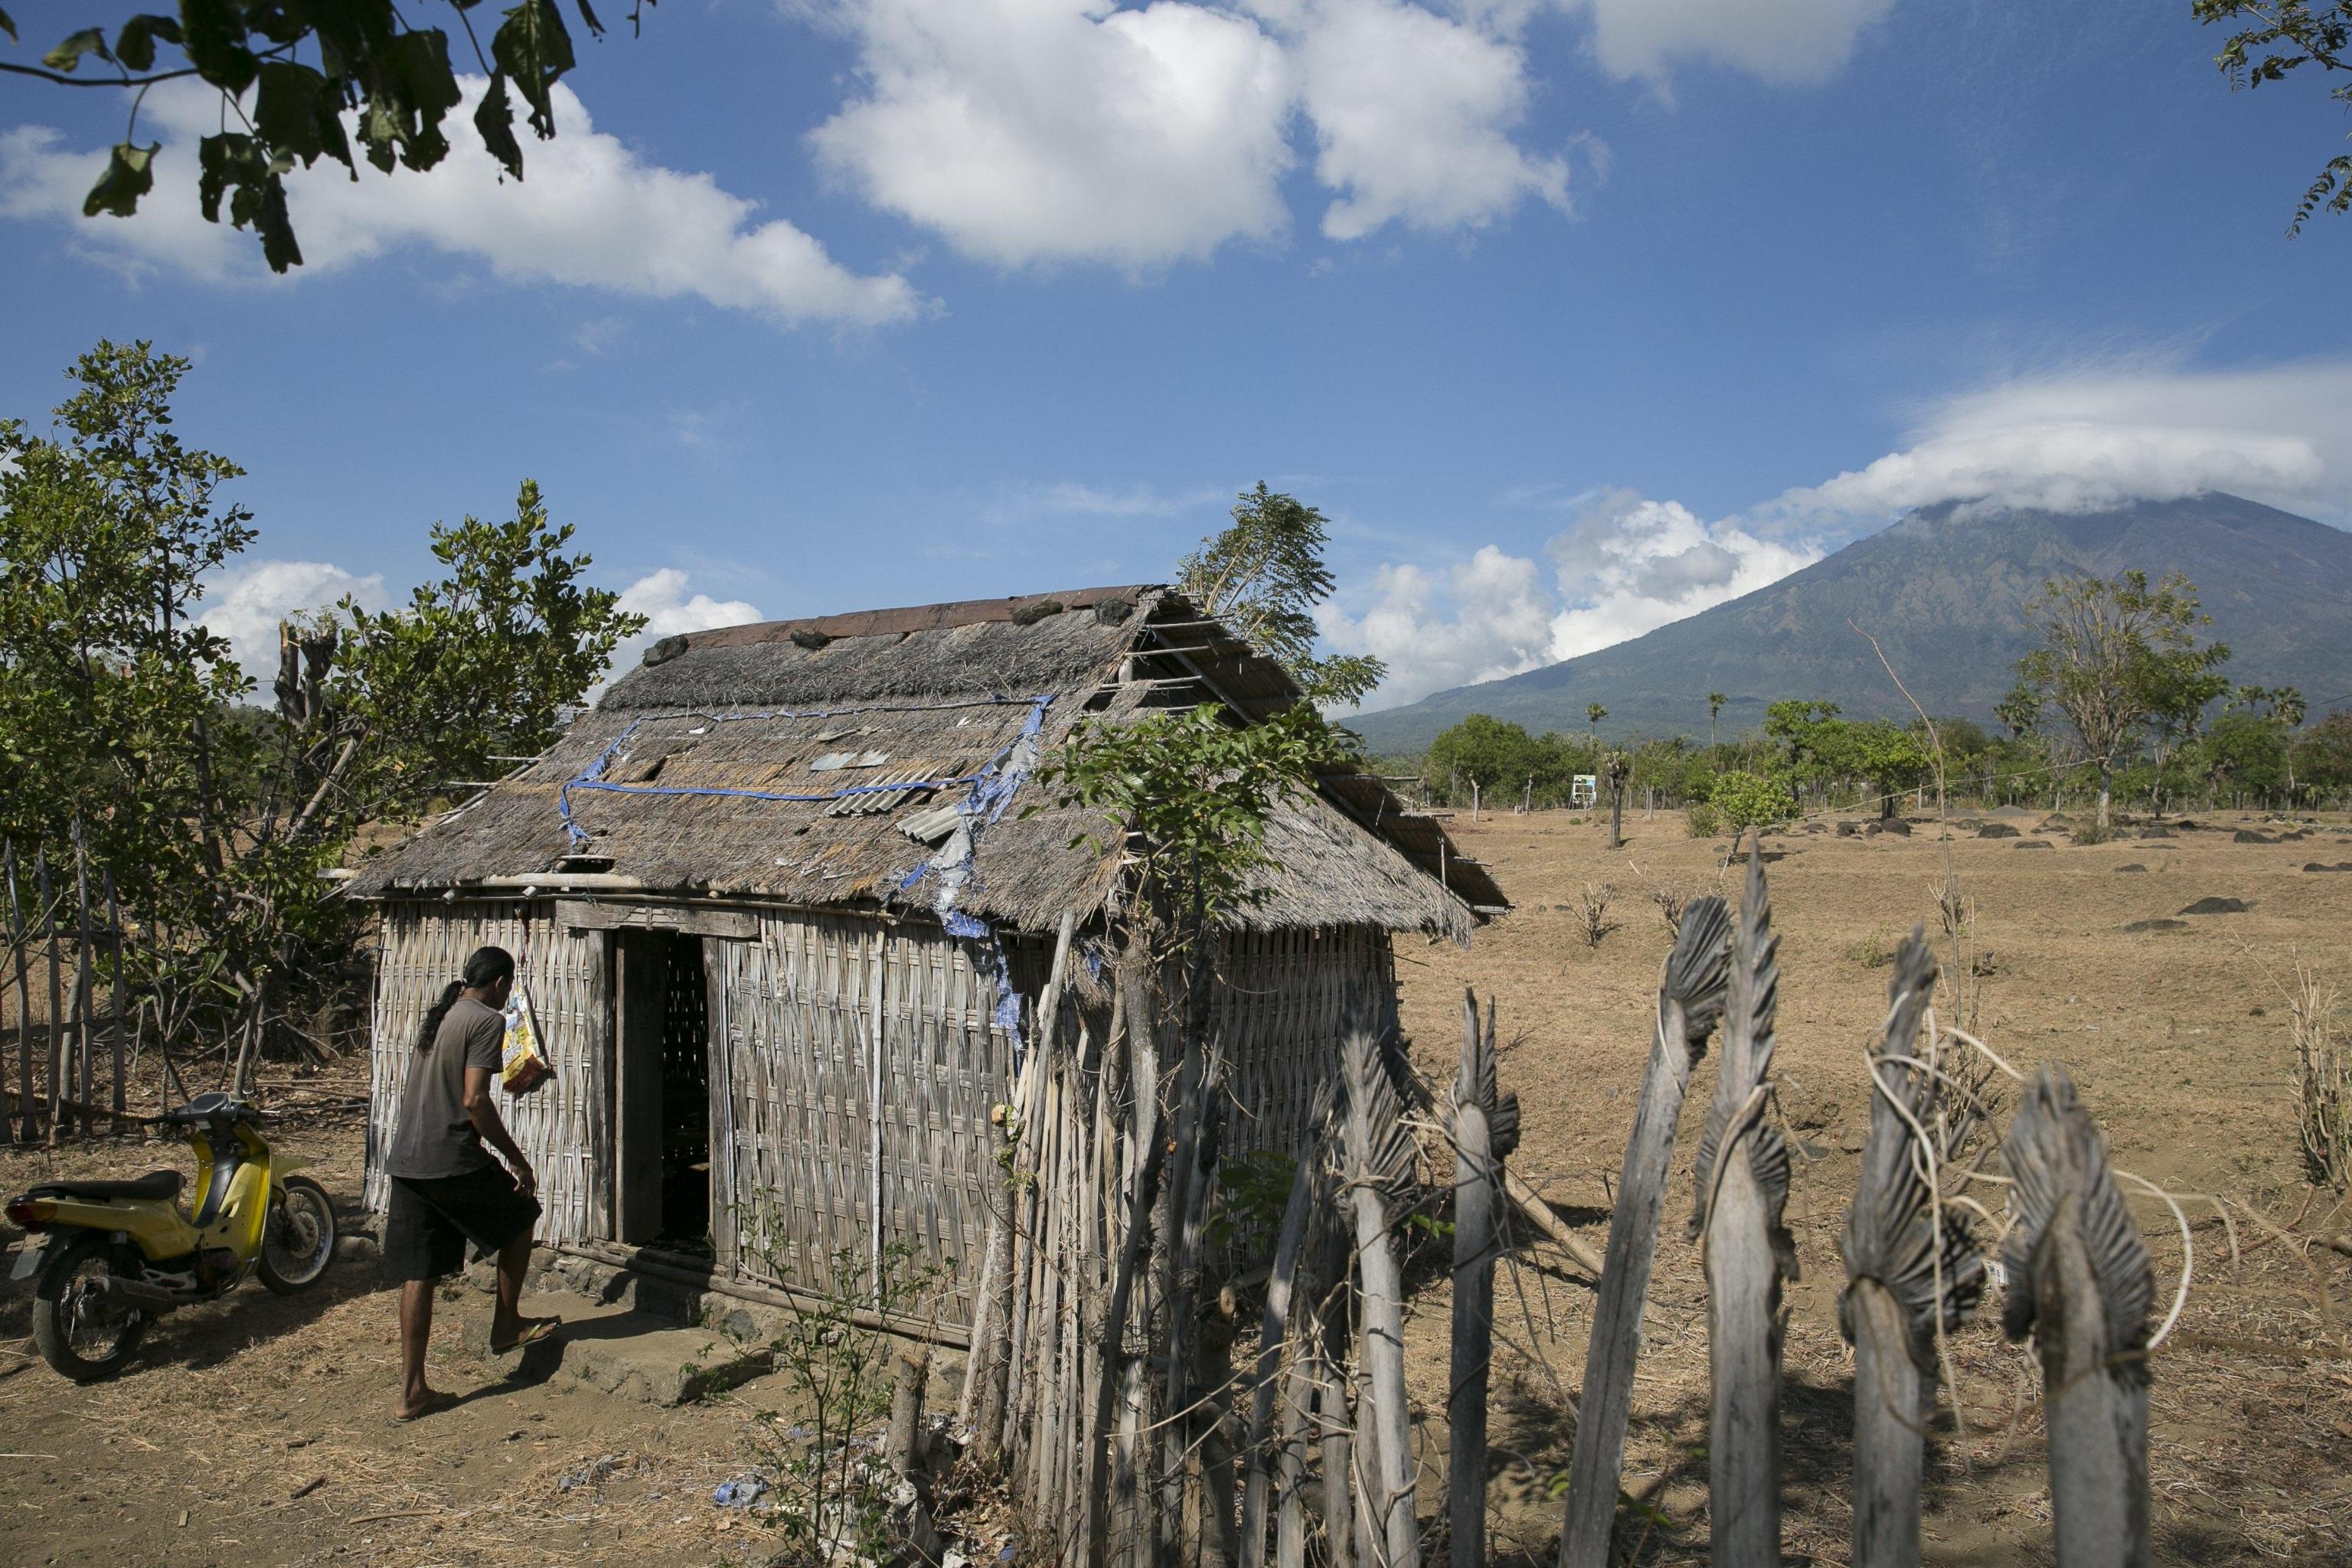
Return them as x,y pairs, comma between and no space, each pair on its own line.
890,718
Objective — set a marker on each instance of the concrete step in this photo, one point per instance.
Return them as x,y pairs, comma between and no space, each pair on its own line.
623,1351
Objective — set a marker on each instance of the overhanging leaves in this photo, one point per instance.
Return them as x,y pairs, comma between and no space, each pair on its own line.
129,175
68,55
532,49
393,81
134,46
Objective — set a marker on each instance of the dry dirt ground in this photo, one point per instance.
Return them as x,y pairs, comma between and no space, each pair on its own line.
2179,1039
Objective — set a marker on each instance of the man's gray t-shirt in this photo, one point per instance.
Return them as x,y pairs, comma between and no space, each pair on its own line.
436,1137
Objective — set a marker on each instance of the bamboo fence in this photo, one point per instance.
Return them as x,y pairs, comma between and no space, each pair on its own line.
67,1034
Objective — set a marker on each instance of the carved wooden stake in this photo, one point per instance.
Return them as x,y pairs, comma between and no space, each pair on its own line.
2080,1283
1746,1250
1892,1270
1378,1152
1298,1217
1690,999
1485,1131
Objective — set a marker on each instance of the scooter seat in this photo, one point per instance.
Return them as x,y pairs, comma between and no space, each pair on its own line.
153,1184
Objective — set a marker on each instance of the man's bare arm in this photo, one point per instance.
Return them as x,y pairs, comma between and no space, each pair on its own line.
484,1115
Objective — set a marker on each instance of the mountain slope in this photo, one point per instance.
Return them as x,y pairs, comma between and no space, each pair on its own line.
1944,593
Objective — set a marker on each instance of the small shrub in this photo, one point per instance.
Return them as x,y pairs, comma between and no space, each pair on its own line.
2088,833
1670,901
832,1484
2323,1082
1593,921
1876,950
1703,820
1751,800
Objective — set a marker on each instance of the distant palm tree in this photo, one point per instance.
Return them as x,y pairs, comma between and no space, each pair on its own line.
1714,702
1593,715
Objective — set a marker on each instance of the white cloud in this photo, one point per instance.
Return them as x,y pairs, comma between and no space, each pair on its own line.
1626,565
245,604
590,213
2086,439
1490,617
1039,132
662,598
1797,42
1045,130
1632,566
1413,114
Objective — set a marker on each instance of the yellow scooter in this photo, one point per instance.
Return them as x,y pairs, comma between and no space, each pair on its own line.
116,1254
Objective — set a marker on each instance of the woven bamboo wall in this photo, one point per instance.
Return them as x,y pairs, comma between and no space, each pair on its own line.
794,1065
563,1125
1281,1013
797,1125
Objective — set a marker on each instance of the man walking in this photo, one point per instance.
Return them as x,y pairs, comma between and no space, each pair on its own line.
446,1188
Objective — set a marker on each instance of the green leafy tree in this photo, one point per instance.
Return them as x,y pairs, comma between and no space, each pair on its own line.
2019,711
2323,754
2246,751
2112,652
394,81
2276,37
1186,794
1487,753
1742,799
1263,577
1714,702
481,663
108,684
121,715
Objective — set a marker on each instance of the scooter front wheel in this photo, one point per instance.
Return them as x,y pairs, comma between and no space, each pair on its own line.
80,1330
298,1240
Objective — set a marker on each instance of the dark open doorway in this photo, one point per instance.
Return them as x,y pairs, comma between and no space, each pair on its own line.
662,1121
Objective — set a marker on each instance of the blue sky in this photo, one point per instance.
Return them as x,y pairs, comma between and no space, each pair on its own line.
1576,316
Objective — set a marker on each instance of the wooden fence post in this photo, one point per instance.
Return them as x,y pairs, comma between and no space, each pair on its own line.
28,1121
1899,1281
120,1007
1275,1337
1378,1152
1485,1131
84,1065
2081,1284
56,1037
1743,1185
1690,1000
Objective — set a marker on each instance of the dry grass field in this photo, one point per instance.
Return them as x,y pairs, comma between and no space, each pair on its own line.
2178,1038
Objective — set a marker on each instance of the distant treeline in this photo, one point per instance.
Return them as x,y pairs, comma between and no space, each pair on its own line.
2256,753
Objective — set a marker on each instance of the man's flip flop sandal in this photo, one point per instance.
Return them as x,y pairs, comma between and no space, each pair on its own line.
529,1336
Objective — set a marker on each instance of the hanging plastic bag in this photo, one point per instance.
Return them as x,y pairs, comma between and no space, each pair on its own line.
522,1065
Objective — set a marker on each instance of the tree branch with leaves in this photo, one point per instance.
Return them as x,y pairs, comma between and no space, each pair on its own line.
377,81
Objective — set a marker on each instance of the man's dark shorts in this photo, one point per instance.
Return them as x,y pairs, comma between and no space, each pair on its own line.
431,1218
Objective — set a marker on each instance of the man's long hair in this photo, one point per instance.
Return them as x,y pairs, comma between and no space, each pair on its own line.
485,969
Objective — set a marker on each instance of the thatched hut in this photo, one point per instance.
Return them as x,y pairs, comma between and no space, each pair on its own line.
783,905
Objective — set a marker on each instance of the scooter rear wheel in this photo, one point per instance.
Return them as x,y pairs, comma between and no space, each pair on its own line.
297,1241
80,1331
